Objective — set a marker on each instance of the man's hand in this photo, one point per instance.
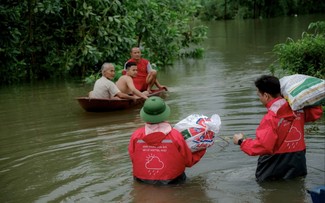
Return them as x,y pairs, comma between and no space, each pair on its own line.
163,87
238,137
135,98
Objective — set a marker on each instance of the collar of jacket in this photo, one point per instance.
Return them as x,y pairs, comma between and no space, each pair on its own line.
280,107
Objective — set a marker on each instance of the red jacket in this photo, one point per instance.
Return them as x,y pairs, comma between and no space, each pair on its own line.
140,80
160,154
280,141
281,130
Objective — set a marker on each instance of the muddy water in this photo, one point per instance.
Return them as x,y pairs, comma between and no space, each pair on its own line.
53,151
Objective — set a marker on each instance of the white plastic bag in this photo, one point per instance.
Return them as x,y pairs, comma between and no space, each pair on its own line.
199,131
303,90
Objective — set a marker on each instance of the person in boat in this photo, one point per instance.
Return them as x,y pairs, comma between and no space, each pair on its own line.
279,138
105,88
146,77
159,153
125,82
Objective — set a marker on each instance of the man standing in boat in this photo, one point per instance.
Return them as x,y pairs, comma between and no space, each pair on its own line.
146,77
125,82
105,88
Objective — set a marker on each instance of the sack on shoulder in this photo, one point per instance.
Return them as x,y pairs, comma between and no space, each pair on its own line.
303,90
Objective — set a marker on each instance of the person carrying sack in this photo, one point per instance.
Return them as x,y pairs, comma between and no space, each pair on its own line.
280,136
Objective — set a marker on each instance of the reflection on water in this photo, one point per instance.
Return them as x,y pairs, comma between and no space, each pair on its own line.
275,191
53,151
195,192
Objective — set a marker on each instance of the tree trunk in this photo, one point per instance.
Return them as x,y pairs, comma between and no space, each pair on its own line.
225,11
29,42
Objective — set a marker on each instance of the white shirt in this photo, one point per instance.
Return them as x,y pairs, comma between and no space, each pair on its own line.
104,88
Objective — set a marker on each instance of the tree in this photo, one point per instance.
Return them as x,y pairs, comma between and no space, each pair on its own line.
306,55
243,9
43,39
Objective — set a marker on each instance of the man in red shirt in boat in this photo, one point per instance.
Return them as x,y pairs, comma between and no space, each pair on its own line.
146,77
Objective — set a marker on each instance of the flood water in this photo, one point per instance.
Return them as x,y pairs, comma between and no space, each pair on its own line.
53,151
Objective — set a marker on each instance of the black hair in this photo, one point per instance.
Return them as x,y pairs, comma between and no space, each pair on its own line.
129,64
269,84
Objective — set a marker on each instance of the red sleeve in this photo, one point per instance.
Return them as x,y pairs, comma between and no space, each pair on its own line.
313,113
190,157
131,147
132,142
265,140
196,156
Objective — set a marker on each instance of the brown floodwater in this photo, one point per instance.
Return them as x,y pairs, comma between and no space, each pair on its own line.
53,151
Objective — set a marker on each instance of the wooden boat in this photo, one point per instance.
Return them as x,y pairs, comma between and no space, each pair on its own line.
102,105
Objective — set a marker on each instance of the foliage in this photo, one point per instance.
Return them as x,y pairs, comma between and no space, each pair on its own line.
243,9
41,39
11,30
171,28
195,52
306,55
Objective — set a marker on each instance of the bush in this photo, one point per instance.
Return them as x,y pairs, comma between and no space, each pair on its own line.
41,39
306,55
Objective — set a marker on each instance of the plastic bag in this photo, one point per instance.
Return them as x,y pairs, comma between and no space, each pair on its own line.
199,131
303,90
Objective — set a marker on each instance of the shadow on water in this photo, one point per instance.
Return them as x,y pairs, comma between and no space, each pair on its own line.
51,150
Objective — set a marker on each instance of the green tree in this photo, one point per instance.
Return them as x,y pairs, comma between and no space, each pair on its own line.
306,55
42,39
172,27
242,9
12,35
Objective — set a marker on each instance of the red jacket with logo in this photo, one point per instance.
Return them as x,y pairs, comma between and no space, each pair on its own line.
280,141
281,129
160,154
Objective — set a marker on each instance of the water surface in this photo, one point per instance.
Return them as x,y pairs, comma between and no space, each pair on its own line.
53,151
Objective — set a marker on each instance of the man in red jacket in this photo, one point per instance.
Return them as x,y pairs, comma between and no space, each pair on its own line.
158,152
280,136
146,77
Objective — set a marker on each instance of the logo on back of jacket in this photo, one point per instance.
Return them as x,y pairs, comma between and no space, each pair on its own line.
294,136
153,164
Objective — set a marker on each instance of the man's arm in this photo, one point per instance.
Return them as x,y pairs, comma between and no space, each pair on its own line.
190,157
313,113
152,80
152,76
264,142
125,96
159,85
130,85
115,91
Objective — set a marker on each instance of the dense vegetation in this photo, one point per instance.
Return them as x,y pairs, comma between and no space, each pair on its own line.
41,39
306,55
243,9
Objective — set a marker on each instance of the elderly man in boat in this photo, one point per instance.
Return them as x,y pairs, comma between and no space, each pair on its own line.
125,82
105,88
